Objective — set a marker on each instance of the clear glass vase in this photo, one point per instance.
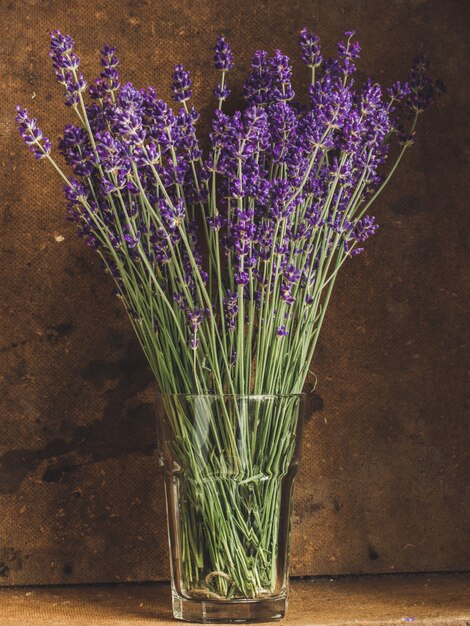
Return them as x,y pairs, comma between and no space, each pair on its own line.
229,465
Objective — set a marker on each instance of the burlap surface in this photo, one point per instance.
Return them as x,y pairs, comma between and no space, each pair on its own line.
374,601
384,480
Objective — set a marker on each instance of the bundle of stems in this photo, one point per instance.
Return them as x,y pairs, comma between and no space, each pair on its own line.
233,500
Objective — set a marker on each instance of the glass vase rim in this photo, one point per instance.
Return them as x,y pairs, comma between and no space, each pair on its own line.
255,396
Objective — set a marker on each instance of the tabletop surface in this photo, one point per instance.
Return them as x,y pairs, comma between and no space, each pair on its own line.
422,599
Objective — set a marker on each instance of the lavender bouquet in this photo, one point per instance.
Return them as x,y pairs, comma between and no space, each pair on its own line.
225,260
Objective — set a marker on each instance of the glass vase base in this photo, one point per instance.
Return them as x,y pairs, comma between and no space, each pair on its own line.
231,611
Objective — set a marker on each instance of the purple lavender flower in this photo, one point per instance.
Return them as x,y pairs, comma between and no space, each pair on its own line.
351,138
265,242
61,44
160,243
110,72
181,85
280,75
132,239
98,89
256,87
231,309
348,52
364,228
187,141
129,127
310,46
281,204
241,278
221,92
423,89
352,251
331,102
33,137
130,99
194,319
290,276
256,134
76,149
242,233
173,214
147,155
75,192
283,124
399,91
159,122
113,154
65,64
223,57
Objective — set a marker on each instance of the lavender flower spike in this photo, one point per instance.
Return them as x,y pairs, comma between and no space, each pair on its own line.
66,63
310,47
110,72
223,61
39,145
422,87
181,85
223,57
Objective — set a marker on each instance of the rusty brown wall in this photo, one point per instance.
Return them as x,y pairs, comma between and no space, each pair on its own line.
384,483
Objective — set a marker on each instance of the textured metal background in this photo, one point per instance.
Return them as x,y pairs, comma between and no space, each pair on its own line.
384,481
